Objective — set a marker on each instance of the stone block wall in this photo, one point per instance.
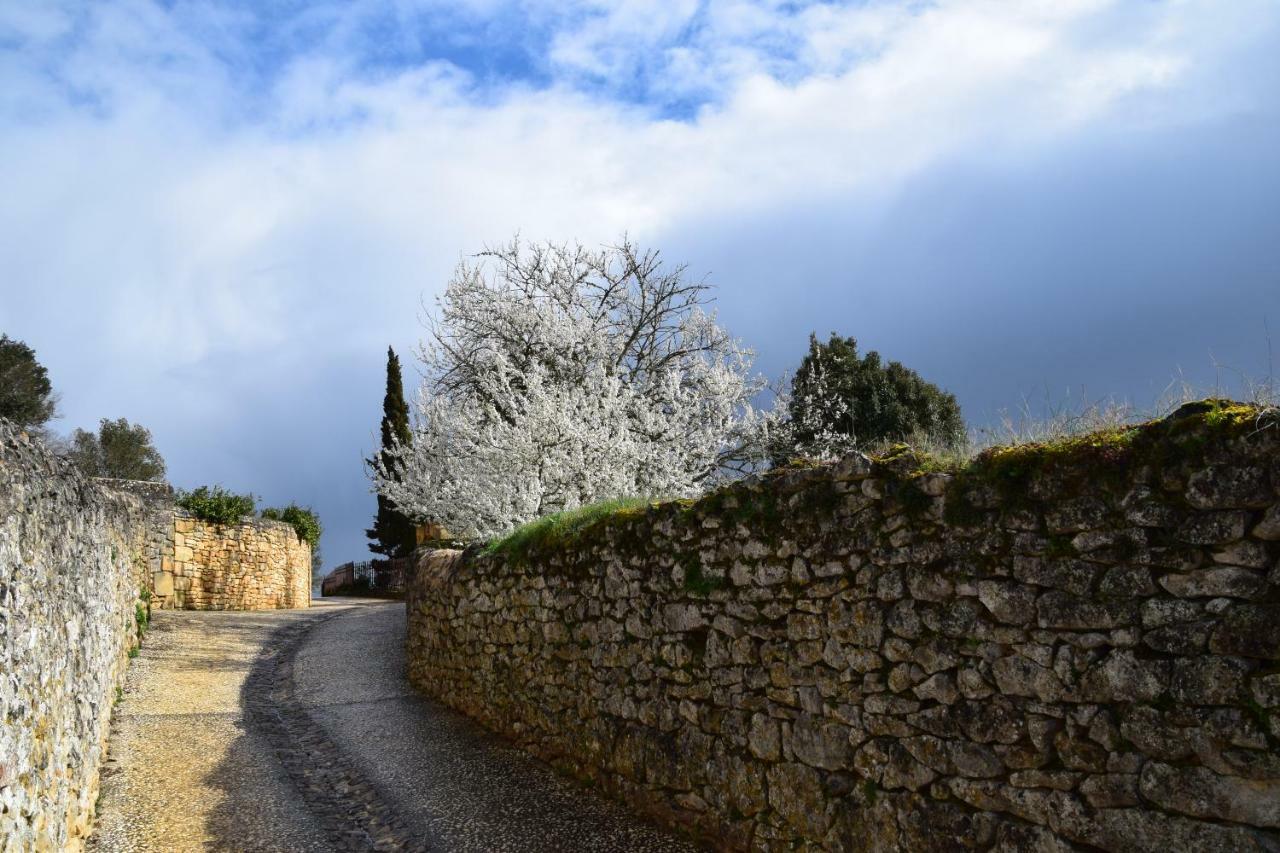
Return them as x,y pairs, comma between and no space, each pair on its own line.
258,564
255,565
1054,648
71,566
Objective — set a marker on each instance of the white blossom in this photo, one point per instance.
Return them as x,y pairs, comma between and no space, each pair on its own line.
556,376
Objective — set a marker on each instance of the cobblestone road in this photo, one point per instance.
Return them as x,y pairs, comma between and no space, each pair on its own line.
296,731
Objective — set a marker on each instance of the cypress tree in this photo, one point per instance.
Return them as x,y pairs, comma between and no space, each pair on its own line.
392,534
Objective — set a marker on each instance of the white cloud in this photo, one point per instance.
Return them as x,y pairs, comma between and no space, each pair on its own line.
152,183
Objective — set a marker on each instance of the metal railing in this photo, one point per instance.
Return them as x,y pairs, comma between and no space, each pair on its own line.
368,577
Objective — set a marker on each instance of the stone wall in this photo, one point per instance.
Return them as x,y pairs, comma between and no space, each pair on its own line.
1060,647
258,564
71,567
255,565
78,559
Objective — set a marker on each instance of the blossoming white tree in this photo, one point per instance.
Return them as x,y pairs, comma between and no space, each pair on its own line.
556,376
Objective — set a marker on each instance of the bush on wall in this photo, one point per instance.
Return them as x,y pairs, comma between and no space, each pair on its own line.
216,504
304,520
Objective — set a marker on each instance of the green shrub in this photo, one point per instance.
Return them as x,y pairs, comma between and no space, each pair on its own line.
142,615
216,504
304,520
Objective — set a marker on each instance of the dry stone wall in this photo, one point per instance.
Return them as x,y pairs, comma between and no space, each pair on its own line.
71,566
1054,648
78,558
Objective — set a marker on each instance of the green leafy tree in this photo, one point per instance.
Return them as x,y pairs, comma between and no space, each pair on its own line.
120,449
392,533
841,400
26,395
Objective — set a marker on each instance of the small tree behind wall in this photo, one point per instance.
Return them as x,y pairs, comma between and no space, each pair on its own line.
392,533
840,401
26,395
119,449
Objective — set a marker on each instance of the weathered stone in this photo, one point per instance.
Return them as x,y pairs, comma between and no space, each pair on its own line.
990,721
1202,793
934,485
1245,553
1070,575
972,685
1248,630
1123,677
1129,581
764,739
1077,752
795,791
1011,603
771,574
1224,581
1159,612
940,688
1061,610
1187,639
1019,676
1153,735
891,765
973,760
1208,681
934,656
1058,780
683,617
860,625
1021,838
820,743
1152,831
1089,541
928,585
1111,790
162,584
1143,508
1076,514
1266,690
1269,527
854,466
1212,528
1229,487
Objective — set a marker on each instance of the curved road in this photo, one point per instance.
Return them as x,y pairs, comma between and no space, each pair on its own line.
297,731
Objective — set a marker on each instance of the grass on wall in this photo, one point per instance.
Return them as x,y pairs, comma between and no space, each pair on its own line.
1106,450
561,527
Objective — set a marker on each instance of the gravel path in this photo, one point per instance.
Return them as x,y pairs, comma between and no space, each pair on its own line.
297,731
185,771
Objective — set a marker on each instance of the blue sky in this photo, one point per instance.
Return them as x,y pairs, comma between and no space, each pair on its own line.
217,215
